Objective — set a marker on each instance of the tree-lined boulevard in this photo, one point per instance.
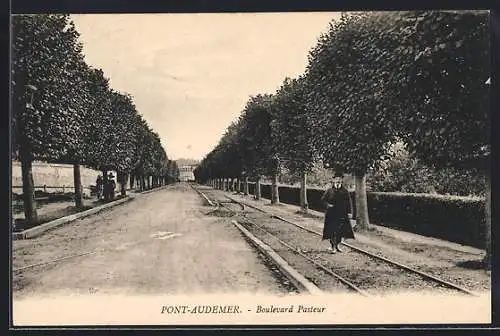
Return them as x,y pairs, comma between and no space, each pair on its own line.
64,111
372,80
396,102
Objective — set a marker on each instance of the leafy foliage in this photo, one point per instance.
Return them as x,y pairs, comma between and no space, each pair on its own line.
256,141
76,117
347,98
292,127
448,118
47,55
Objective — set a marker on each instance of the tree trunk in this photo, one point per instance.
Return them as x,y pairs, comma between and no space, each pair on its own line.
30,213
77,178
132,181
275,195
245,186
257,189
487,206
304,206
123,184
362,219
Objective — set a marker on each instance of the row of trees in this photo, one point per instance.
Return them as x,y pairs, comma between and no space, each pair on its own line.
372,80
65,111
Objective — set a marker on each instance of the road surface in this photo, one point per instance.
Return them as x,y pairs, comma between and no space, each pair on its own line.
160,243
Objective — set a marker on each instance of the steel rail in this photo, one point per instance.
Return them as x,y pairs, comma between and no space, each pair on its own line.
322,267
360,250
346,282
54,261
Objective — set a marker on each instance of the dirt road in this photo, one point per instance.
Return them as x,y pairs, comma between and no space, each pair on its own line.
162,243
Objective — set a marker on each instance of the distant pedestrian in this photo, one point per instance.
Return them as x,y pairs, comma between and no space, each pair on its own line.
99,187
111,186
338,213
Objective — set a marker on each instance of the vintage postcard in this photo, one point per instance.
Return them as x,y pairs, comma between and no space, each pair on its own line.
301,168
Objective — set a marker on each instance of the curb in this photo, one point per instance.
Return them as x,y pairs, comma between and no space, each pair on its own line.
40,229
204,196
295,277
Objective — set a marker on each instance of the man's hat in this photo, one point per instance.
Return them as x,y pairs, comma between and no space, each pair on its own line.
338,174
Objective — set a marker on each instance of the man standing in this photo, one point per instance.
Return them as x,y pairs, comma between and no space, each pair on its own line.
338,212
112,186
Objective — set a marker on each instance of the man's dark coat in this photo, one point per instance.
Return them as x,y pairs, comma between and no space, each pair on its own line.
336,217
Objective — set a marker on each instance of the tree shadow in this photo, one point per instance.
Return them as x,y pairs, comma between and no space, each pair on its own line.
477,264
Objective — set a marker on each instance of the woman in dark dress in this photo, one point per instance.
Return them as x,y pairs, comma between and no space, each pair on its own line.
338,213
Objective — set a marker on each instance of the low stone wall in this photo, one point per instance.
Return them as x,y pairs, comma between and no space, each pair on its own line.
53,175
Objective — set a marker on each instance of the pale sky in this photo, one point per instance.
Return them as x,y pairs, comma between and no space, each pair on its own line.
192,74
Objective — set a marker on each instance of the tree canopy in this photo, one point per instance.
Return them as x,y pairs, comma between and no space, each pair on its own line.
75,116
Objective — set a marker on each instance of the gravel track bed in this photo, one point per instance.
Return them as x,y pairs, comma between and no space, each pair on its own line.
320,278
317,276
374,276
449,264
440,261
455,275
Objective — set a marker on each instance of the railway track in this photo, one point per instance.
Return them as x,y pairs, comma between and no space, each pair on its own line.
361,282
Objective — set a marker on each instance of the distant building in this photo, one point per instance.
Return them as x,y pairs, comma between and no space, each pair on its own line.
186,172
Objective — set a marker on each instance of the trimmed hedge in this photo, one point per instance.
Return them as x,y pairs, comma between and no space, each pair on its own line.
453,218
